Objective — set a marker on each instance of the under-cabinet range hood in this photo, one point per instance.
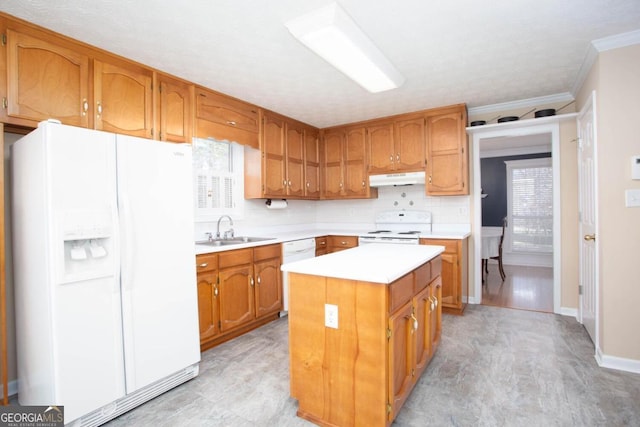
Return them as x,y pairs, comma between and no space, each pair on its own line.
406,178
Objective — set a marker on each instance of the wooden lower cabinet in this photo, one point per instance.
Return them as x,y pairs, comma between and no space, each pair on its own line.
243,291
337,374
322,245
339,243
455,273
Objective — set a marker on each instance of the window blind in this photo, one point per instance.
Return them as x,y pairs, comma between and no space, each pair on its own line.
530,195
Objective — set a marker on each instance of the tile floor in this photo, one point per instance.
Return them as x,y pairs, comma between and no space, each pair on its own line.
494,367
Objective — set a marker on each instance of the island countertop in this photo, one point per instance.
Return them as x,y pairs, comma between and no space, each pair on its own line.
376,262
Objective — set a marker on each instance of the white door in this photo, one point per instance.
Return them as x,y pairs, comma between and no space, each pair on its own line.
587,200
159,290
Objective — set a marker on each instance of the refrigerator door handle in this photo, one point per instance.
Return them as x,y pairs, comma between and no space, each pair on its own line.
128,240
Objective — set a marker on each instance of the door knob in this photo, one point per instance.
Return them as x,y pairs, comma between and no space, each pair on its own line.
588,237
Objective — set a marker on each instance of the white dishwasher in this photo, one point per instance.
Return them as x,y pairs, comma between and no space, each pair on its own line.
295,250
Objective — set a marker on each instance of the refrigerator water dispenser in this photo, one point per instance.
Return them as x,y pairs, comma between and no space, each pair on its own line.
87,246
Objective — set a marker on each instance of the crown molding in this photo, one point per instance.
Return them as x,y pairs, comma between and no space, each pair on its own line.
602,45
524,103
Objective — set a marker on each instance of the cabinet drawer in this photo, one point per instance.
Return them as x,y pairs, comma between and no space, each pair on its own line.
321,242
236,257
450,245
423,276
400,292
266,252
343,241
206,262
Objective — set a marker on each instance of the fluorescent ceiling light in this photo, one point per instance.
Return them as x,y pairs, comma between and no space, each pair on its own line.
333,35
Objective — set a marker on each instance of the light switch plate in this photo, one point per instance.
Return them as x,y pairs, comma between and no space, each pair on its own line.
632,198
331,316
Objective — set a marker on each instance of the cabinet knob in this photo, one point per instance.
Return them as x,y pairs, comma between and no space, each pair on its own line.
85,106
391,158
99,108
284,182
429,179
203,265
231,122
398,157
215,290
251,282
364,184
415,323
258,280
308,184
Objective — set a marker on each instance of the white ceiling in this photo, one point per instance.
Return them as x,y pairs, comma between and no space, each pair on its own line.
450,51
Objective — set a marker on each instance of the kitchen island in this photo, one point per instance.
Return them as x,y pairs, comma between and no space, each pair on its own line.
363,325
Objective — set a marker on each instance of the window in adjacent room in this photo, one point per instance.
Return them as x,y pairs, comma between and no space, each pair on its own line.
218,179
530,205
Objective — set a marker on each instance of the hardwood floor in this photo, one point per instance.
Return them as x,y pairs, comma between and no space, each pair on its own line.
525,288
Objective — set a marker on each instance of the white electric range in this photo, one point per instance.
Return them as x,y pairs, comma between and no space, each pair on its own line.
398,227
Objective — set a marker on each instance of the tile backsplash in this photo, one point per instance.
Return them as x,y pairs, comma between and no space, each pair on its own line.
304,214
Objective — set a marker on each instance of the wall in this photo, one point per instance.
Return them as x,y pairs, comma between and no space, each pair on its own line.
616,80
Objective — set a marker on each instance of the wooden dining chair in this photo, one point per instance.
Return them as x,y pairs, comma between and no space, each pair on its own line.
499,257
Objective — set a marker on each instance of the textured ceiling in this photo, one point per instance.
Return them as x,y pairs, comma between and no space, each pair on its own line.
450,51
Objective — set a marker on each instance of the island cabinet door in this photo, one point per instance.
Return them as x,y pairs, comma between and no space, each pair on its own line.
424,306
236,297
268,291
435,321
401,357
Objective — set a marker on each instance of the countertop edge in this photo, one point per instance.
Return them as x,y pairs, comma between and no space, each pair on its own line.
299,235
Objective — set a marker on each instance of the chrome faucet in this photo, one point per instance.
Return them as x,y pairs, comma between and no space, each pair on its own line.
227,234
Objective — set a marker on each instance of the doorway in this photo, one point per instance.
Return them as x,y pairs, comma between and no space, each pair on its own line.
516,181
517,131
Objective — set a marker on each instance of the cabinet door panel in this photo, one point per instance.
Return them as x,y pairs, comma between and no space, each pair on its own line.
355,180
422,303
410,144
435,322
447,155
381,148
312,164
273,148
333,144
208,305
46,81
176,116
123,100
235,297
295,161
268,290
400,357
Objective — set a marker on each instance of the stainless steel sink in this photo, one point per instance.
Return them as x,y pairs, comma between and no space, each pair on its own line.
233,241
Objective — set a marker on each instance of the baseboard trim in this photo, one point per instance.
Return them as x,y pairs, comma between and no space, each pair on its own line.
618,363
567,311
13,389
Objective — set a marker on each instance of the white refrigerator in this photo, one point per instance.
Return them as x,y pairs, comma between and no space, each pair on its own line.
104,270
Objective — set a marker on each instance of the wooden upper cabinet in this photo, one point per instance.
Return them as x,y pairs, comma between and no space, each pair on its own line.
396,146
311,164
295,160
410,144
332,146
222,117
447,153
345,164
381,148
356,181
175,109
123,99
273,153
45,81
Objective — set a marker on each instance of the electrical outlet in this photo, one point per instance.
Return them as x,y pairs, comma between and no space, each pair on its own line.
331,316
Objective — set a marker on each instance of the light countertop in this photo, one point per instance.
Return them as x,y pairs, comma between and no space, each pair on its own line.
377,263
288,236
